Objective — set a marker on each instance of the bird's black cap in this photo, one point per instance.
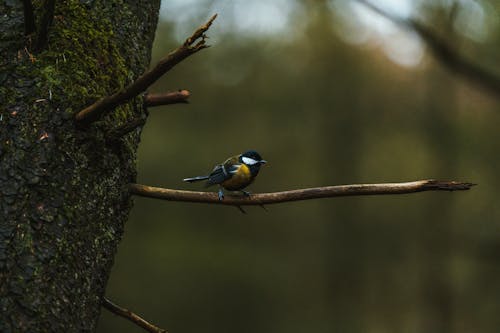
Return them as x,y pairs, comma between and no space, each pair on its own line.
252,154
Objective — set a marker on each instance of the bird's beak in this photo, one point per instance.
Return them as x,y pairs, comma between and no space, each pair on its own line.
262,161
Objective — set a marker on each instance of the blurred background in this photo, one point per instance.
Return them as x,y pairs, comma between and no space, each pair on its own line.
329,93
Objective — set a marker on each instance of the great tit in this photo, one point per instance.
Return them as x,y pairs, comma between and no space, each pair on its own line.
234,174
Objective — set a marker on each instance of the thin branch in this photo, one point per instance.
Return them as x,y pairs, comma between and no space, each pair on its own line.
108,103
119,132
301,194
445,53
29,17
46,22
174,97
127,314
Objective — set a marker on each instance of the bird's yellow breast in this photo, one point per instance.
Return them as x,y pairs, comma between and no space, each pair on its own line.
240,179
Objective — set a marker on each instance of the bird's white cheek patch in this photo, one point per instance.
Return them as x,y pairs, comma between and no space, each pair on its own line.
249,161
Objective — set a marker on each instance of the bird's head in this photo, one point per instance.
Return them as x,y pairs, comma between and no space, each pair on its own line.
253,160
251,157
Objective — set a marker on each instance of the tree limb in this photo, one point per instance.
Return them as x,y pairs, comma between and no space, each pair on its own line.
119,132
301,194
445,53
46,22
108,103
174,97
127,314
29,17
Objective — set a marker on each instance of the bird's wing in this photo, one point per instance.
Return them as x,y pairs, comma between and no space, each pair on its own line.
231,162
223,171
218,175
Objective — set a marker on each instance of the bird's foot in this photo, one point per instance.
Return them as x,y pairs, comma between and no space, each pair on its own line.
221,194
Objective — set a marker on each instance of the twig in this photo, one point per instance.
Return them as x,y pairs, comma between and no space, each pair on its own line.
108,103
241,209
46,22
127,314
301,194
445,53
117,133
29,17
174,97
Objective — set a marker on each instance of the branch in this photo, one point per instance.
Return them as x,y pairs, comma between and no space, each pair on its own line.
175,97
127,314
445,53
43,31
108,103
29,17
117,133
302,194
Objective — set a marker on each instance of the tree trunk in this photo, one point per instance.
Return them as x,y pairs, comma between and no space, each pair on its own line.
63,194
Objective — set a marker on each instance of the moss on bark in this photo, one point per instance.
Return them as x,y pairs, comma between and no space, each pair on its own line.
63,196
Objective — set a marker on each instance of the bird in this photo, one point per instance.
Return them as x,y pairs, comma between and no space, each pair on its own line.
236,173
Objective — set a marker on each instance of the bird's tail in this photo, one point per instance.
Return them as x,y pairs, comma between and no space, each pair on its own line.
195,179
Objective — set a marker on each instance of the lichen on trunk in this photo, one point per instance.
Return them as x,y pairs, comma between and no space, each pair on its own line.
63,194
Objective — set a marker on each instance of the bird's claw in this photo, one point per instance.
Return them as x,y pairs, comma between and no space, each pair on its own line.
221,195
246,193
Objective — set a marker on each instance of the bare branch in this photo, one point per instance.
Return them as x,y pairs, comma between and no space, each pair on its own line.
108,103
127,314
29,17
301,194
445,53
117,133
174,97
46,22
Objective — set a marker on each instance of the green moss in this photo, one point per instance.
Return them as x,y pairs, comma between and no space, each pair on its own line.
90,65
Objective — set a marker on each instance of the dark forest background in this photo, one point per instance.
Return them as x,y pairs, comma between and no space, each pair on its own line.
328,94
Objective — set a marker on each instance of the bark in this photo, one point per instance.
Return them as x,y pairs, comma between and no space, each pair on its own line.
63,188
